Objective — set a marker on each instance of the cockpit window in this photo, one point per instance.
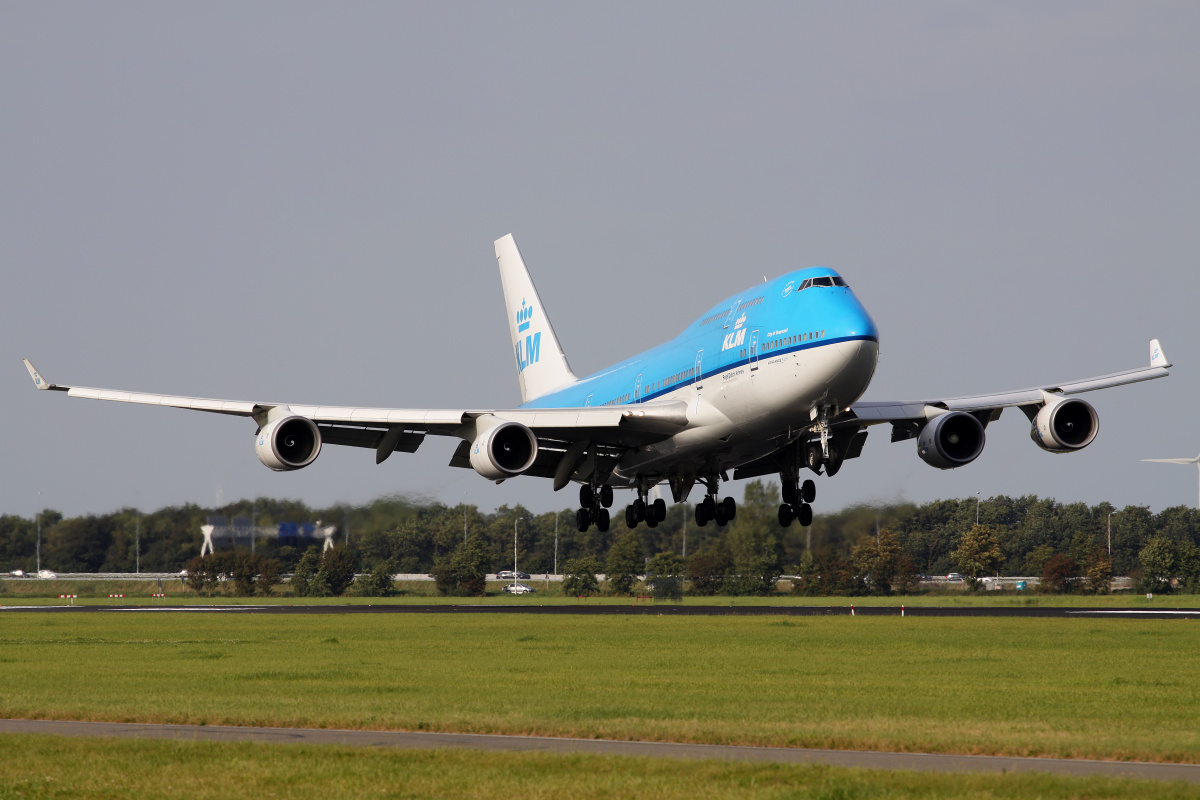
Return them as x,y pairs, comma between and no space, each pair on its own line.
822,281
838,281
826,281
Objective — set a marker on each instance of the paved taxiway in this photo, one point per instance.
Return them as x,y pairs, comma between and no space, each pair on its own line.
641,609
925,762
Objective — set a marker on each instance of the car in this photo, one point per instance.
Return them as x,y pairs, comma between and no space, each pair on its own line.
518,588
17,573
509,575
955,577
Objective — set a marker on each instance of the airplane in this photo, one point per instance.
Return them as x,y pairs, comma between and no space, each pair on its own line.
1195,461
766,382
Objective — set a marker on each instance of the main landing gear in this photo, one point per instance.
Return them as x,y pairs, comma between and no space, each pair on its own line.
714,509
594,502
645,510
796,502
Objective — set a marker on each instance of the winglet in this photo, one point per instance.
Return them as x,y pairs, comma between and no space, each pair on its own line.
1157,357
38,380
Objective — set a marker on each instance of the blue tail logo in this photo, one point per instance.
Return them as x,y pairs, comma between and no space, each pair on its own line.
523,317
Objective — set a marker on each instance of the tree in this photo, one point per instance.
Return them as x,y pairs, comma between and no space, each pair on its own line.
707,568
878,559
1057,573
378,582
305,571
664,576
1099,571
625,563
338,564
1158,564
579,578
463,573
978,553
202,573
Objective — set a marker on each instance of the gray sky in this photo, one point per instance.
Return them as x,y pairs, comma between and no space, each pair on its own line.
297,202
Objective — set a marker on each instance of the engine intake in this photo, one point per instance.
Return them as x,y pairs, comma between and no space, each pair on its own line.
288,443
503,451
951,440
1065,426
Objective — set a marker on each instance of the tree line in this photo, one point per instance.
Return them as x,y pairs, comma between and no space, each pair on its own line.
845,551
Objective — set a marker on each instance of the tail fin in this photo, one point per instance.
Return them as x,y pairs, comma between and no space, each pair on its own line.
541,364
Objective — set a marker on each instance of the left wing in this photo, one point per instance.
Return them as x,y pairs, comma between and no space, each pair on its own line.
577,432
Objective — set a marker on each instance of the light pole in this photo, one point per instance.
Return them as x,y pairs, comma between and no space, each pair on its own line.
137,541
556,516
39,535
977,509
1110,533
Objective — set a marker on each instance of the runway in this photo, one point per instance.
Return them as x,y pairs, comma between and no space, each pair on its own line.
634,609
924,762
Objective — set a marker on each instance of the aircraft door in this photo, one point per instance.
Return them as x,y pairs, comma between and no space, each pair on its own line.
753,350
699,369
637,389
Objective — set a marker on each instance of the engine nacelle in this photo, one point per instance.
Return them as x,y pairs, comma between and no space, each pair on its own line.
1065,426
503,451
951,440
288,443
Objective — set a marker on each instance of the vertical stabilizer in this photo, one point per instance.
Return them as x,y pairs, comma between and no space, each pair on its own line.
541,364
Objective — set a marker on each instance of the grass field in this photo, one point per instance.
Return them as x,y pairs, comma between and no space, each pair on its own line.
1082,688
80,769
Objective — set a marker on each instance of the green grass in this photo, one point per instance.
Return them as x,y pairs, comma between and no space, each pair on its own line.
1056,687
75,769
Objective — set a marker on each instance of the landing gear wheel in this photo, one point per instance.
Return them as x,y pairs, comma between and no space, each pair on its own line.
606,496
639,508
789,493
719,515
710,507
652,522
631,520
808,491
835,461
813,458
804,515
586,498
602,520
657,511
701,515
785,515
583,520
730,506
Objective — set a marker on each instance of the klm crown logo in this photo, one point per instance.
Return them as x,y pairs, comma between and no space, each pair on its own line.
532,346
523,317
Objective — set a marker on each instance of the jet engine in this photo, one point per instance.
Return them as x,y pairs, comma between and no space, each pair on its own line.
288,443
503,451
951,440
1065,426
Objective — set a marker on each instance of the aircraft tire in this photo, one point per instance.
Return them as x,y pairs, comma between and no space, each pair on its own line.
660,510
835,461
710,507
631,520
808,491
805,515
788,491
639,508
813,458
606,496
785,515
730,506
583,520
652,522
701,517
602,520
585,496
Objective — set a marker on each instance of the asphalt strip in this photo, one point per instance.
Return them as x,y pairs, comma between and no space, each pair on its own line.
923,762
